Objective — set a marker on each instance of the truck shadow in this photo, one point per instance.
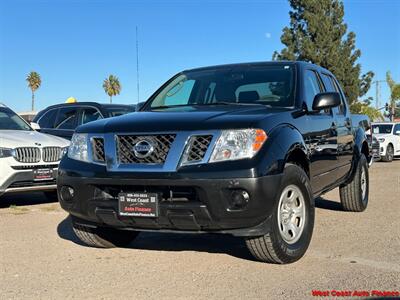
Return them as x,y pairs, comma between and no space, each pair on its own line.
211,243
323,203
23,199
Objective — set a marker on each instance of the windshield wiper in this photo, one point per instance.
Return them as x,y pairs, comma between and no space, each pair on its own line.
209,104
170,106
235,103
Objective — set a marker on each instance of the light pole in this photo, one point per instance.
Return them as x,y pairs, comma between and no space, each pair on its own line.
378,92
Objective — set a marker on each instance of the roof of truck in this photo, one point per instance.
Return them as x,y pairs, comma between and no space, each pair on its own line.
260,63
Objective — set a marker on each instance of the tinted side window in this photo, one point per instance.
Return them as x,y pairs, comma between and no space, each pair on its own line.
48,119
311,86
342,106
396,128
88,115
67,118
328,83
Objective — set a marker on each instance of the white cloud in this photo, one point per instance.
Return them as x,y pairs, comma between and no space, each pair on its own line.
268,35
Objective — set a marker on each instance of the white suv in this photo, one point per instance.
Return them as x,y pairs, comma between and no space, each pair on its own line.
28,159
388,135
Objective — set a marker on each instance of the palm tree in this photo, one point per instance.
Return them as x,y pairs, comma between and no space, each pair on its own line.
34,83
111,86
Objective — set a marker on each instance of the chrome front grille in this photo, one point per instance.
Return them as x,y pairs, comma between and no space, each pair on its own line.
197,148
98,149
160,143
27,154
51,154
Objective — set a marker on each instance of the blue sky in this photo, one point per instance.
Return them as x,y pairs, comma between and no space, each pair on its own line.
74,45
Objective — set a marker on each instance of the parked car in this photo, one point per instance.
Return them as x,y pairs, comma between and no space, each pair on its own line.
388,135
240,149
374,148
62,119
28,159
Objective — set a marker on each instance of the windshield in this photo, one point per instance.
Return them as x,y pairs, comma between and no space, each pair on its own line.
119,111
9,120
382,128
241,84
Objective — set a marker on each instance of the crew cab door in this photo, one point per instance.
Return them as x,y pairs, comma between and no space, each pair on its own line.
320,136
345,137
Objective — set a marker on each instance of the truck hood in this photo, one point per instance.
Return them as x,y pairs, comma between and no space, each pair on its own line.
185,118
21,138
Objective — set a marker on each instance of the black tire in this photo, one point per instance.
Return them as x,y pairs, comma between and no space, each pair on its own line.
389,154
271,247
351,194
103,237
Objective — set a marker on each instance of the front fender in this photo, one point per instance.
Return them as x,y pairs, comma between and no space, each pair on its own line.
360,139
284,140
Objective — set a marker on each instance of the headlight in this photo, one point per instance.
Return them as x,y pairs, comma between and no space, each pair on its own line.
381,140
5,152
79,147
238,144
64,151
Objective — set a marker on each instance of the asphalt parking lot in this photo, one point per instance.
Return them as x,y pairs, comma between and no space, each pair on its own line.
41,258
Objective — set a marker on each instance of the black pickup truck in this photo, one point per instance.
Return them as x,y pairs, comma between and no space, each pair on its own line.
241,149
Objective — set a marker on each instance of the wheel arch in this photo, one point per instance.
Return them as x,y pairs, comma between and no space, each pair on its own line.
292,148
361,144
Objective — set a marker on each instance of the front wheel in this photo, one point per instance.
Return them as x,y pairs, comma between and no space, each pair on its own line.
354,195
389,154
292,221
104,237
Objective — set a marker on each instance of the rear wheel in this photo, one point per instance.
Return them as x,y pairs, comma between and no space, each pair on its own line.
354,195
292,221
103,237
389,154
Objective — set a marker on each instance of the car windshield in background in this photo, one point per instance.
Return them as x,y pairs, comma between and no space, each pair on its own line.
9,120
382,128
119,111
246,85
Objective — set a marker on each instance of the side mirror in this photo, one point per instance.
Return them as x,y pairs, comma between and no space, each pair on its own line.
139,106
397,132
35,126
326,100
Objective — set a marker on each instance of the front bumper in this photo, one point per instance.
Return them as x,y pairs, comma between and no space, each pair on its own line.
19,178
206,204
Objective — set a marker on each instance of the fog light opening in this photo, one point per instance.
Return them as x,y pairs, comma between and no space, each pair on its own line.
239,199
67,193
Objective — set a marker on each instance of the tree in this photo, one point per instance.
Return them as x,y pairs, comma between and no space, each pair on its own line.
364,108
34,82
394,94
111,86
317,34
